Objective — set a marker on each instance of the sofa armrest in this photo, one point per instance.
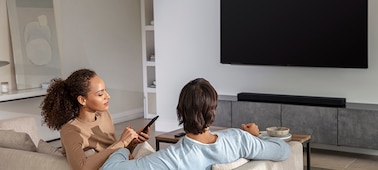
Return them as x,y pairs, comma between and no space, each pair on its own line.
294,162
20,159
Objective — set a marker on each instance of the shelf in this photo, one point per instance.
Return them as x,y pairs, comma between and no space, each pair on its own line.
151,90
20,94
149,27
150,63
148,46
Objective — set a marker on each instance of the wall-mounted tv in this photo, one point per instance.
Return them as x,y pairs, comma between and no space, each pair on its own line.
310,33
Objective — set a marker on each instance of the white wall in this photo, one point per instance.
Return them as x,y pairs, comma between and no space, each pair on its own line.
102,35
187,38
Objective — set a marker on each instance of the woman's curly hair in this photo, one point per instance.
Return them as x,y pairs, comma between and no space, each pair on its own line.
60,104
197,106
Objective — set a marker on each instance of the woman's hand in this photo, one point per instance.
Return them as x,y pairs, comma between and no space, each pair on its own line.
143,136
251,128
128,135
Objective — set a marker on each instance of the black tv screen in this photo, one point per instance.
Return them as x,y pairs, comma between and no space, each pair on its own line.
313,33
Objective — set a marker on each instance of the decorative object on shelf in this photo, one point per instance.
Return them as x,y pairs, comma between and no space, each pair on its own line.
3,63
4,87
152,22
152,57
34,42
45,85
153,84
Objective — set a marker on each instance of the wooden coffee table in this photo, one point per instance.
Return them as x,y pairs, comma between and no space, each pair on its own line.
304,139
169,137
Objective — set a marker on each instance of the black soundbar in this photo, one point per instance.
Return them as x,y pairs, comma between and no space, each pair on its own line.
290,99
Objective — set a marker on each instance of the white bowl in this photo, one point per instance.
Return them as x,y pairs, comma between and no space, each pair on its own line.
277,131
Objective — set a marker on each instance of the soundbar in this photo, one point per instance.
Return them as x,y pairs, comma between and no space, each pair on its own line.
292,99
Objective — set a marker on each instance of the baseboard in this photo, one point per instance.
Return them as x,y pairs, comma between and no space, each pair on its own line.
315,168
345,149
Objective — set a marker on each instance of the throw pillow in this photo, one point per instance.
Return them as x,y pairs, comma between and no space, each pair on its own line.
44,147
16,140
25,124
231,165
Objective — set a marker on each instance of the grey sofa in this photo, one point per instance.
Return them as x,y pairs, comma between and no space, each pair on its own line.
20,147
20,151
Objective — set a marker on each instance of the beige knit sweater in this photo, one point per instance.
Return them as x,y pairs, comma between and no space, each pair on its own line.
80,138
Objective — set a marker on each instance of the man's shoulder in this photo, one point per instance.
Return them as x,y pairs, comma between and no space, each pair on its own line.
231,132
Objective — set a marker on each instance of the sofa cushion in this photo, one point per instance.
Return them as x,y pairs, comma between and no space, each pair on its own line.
15,159
26,124
16,140
44,147
231,165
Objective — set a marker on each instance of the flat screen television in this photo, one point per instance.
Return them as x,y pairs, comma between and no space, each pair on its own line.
310,33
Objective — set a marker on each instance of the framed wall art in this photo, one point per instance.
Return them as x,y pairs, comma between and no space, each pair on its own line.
34,42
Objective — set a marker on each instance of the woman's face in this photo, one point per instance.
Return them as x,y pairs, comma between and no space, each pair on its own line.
97,97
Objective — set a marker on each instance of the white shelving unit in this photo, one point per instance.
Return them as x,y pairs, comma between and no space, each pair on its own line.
21,94
148,56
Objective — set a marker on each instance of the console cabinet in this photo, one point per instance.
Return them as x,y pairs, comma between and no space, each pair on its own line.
349,127
358,128
263,114
319,122
223,114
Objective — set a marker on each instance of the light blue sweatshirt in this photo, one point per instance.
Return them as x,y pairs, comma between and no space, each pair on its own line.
187,153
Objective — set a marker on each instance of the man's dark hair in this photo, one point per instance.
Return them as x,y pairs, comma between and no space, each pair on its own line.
197,106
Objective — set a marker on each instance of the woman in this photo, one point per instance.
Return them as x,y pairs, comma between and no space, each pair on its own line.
78,107
200,148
